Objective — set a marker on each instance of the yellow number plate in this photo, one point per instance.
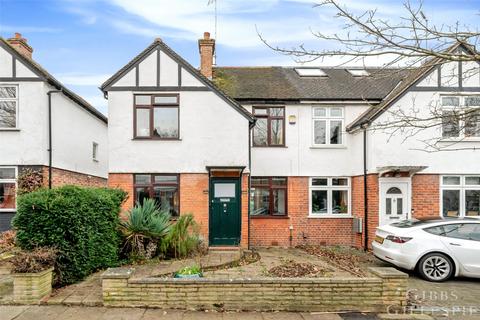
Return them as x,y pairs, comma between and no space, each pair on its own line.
379,239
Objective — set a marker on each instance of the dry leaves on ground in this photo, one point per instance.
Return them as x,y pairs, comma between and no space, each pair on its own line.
292,269
7,241
344,260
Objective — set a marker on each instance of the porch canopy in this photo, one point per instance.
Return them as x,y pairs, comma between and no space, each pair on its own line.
225,172
399,171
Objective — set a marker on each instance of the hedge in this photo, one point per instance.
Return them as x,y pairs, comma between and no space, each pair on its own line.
81,223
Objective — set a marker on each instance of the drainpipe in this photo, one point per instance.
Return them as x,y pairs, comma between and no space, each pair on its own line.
50,151
249,181
365,193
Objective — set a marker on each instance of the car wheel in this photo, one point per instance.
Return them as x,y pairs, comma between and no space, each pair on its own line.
436,267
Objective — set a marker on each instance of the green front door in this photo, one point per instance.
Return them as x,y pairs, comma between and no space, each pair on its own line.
225,217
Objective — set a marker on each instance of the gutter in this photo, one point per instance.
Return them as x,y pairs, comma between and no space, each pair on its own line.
365,192
50,151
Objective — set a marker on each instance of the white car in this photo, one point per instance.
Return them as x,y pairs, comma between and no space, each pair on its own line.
437,248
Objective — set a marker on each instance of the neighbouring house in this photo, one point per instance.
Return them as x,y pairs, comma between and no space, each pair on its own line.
44,127
284,155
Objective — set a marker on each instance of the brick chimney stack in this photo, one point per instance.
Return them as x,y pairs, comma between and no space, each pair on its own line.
206,47
20,44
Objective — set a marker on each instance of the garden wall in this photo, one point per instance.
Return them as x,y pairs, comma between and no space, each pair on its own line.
385,289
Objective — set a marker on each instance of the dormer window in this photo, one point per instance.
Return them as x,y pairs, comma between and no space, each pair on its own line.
358,72
310,72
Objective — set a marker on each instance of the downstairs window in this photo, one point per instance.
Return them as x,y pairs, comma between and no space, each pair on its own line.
164,188
329,197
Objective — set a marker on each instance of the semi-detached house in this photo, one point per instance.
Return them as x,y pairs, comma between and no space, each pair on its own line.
284,155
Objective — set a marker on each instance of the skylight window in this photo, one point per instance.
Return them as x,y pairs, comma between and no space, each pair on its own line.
358,72
310,72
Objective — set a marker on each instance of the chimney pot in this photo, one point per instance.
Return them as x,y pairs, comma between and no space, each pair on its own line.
20,44
206,47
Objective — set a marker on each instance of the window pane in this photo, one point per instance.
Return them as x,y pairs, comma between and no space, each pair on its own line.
472,181
143,122
468,231
165,122
260,132
260,111
472,101
277,112
279,181
165,100
7,196
335,132
261,201
143,179
339,201
451,181
167,198
472,124
260,181
7,173
451,101
450,125
388,206
319,112
319,132
276,134
399,206
224,190
472,203
394,190
450,203
141,193
8,114
279,202
143,100
336,112
339,182
8,92
319,181
319,201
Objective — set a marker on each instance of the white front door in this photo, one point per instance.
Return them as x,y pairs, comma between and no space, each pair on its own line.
394,200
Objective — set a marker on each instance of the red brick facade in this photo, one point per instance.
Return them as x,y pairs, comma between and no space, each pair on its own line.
425,195
61,177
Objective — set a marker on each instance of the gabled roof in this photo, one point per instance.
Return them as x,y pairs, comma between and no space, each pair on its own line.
46,76
284,83
415,76
158,43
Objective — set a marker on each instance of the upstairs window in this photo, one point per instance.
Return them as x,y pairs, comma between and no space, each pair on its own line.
156,117
327,126
8,106
460,116
161,187
8,184
269,130
94,151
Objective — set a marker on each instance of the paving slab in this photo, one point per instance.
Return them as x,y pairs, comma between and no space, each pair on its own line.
123,314
10,312
160,314
199,315
42,313
242,315
320,316
82,313
281,316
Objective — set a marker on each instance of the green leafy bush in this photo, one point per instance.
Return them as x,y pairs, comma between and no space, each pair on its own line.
183,238
146,226
81,223
191,270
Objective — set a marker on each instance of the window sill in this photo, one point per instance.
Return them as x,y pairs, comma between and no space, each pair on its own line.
156,139
459,140
10,129
269,147
330,216
269,217
329,146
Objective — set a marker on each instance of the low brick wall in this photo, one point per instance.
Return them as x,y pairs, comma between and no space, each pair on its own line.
30,288
386,289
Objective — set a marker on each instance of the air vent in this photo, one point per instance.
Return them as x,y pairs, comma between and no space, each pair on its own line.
310,72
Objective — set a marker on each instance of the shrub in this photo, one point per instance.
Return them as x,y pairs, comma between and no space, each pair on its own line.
37,260
146,226
7,241
29,180
191,270
183,238
82,223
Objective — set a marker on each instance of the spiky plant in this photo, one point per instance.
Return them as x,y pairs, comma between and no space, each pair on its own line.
183,238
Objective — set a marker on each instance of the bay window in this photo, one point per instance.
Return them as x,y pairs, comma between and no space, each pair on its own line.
156,117
161,187
329,196
460,196
8,185
269,130
327,126
269,196
460,116
8,106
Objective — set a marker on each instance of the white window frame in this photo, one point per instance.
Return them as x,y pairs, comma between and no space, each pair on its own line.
16,187
328,119
462,187
461,123
329,188
95,151
16,105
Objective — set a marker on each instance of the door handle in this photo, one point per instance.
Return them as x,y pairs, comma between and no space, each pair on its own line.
455,244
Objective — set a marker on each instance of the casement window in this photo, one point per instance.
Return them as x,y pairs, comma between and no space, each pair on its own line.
460,117
8,107
94,151
164,188
269,196
8,183
269,131
329,197
327,123
460,196
156,117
